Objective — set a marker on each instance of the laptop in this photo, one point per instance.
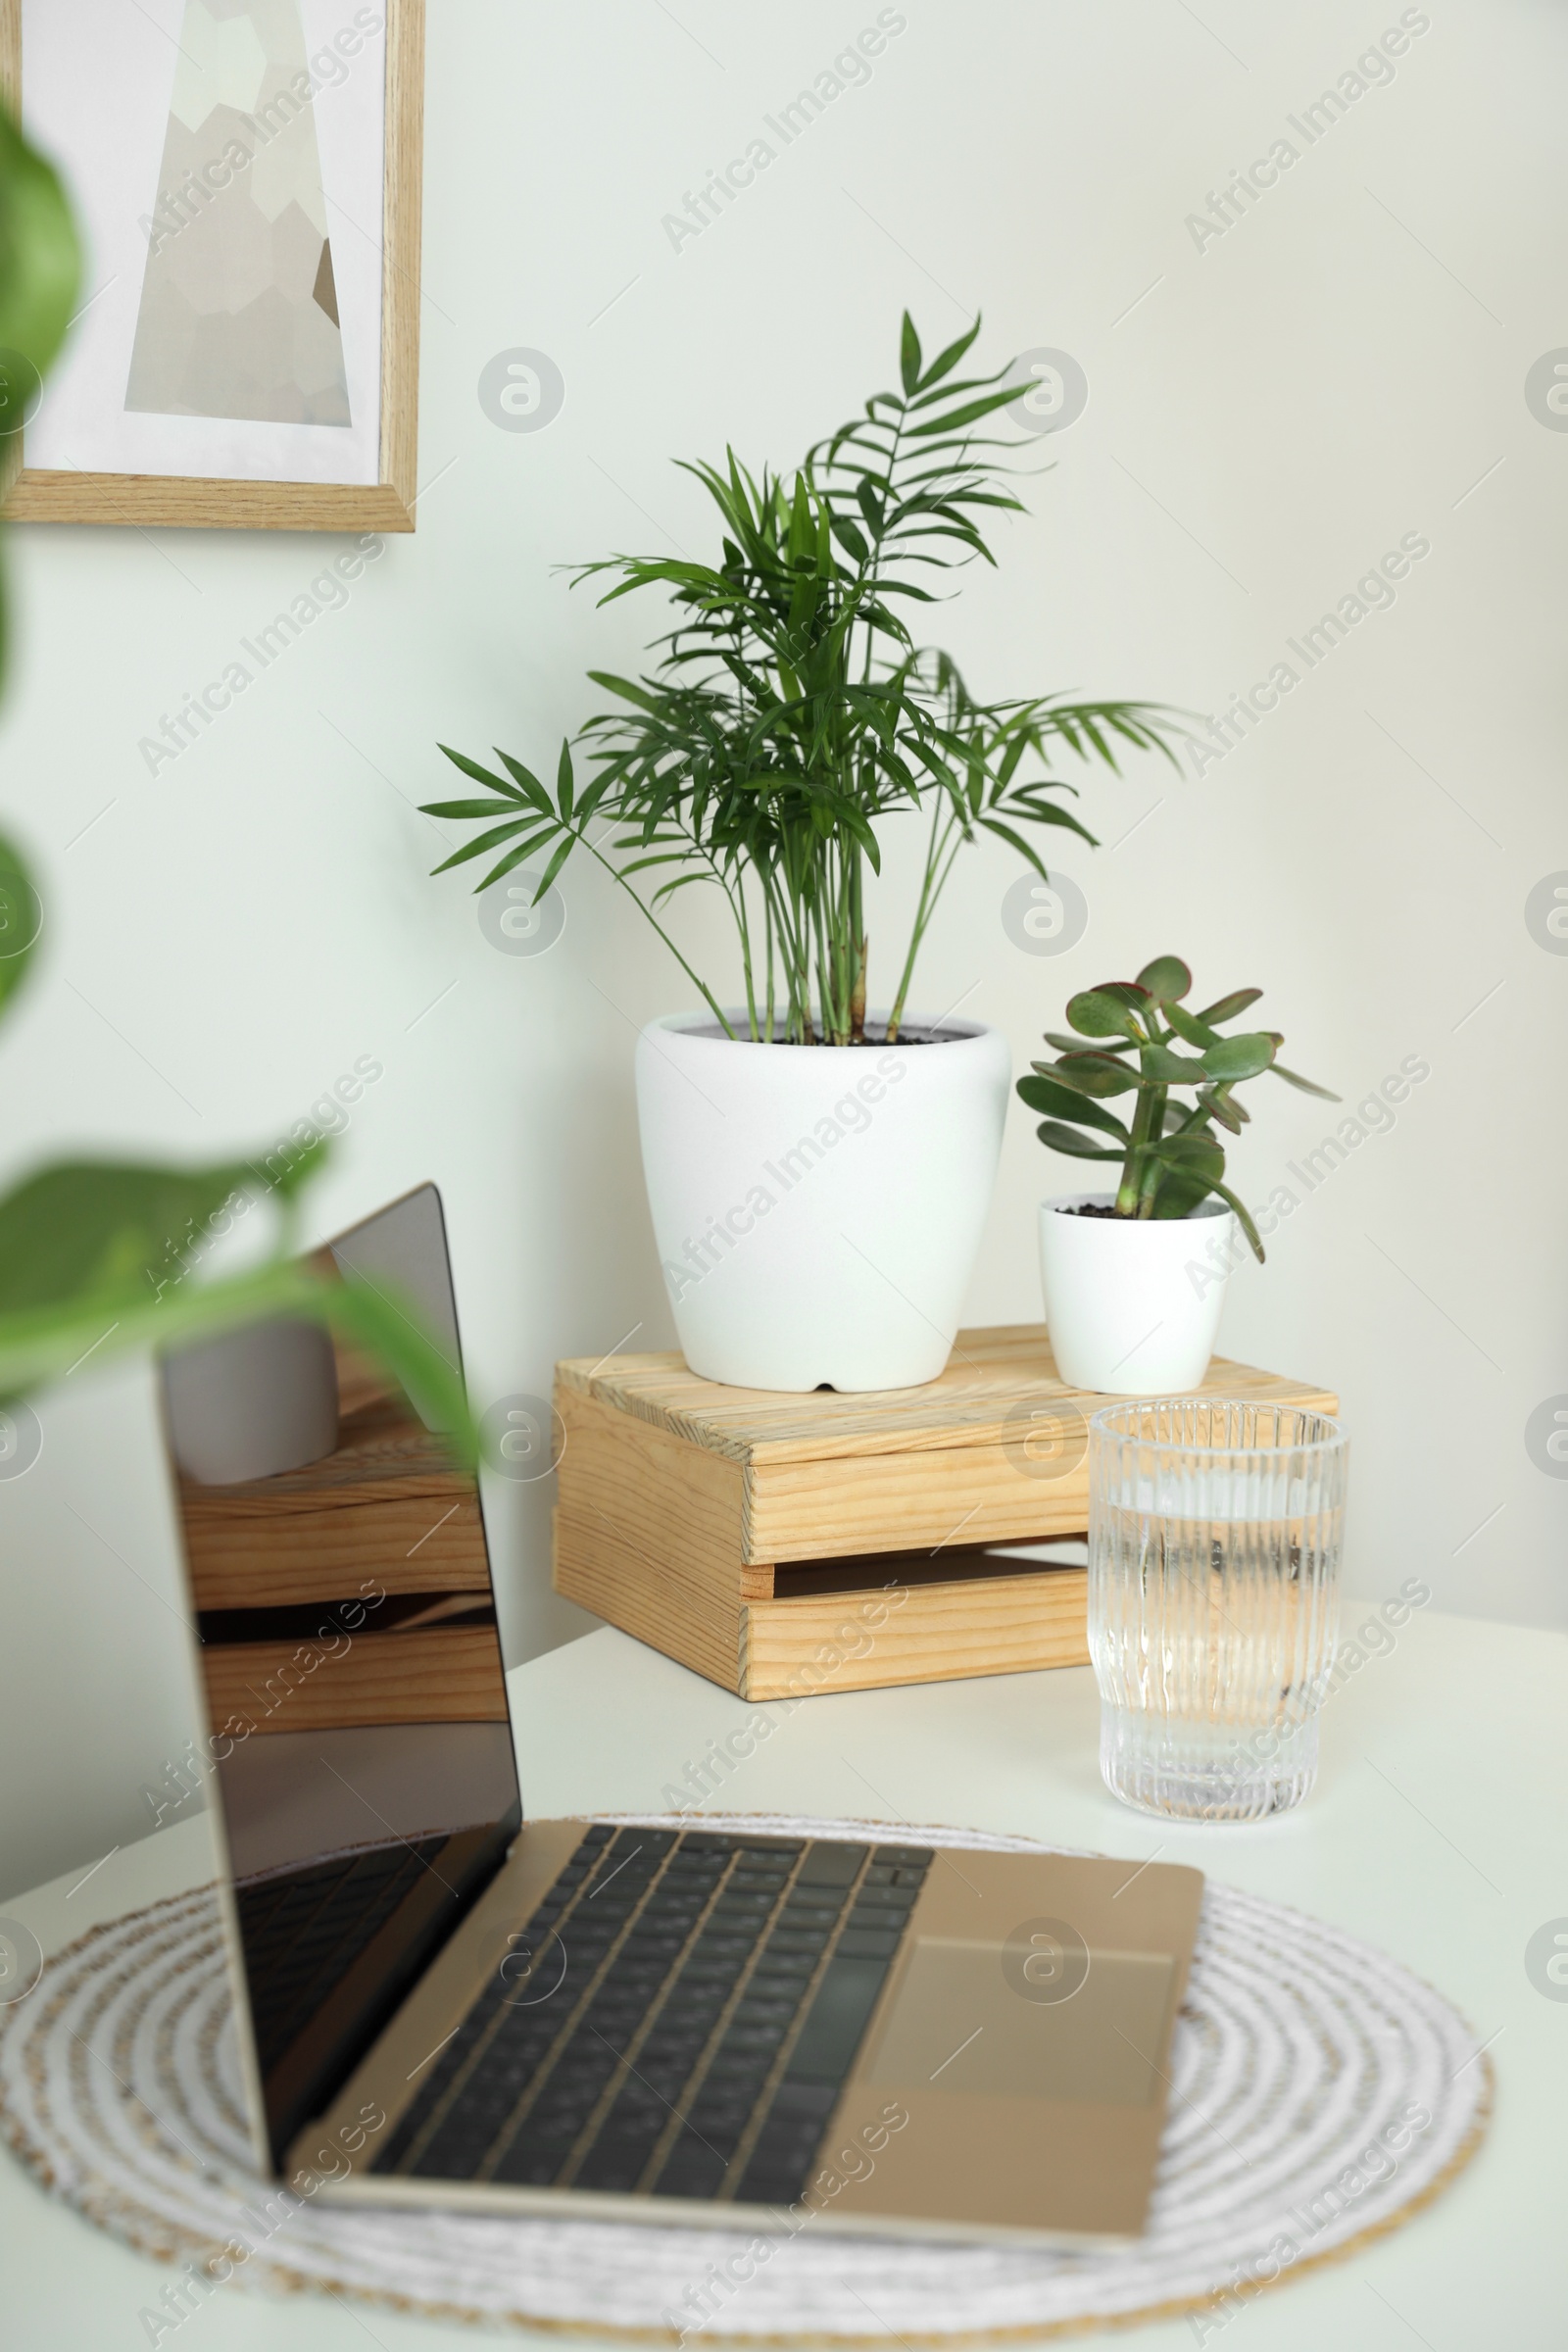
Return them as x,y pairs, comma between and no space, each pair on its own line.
440,2002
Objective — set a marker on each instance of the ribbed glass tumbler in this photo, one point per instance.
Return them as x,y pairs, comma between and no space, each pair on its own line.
1215,1539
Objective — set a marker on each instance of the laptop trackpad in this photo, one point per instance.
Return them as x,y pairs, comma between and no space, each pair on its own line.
957,2024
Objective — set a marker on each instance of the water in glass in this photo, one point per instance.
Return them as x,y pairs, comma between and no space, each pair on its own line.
1214,1539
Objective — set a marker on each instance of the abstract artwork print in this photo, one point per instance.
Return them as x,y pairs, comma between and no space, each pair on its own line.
239,313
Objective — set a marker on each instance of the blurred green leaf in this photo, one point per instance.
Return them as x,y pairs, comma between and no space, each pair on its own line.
97,1257
20,919
106,1233
40,260
40,269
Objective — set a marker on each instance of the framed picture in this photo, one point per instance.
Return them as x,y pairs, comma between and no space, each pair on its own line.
246,175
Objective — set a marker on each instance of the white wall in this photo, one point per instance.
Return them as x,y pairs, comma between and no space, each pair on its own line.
1343,365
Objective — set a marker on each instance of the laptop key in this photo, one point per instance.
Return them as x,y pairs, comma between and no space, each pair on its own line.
837,2019
530,2168
615,2164
691,2171
786,2146
864,1944
829,1864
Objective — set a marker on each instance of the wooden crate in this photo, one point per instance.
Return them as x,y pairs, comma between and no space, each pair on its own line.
786,1545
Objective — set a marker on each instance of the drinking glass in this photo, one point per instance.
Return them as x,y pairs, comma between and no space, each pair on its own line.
1215,1537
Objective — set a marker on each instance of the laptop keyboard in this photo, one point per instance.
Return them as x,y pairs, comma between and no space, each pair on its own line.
676,2018
303,1929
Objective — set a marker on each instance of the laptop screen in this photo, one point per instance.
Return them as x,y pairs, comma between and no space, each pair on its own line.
351,1659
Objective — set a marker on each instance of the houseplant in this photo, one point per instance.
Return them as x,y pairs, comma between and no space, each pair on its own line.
1133,1296
789,716
98,1255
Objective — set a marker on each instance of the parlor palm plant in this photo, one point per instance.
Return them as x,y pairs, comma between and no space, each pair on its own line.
791,708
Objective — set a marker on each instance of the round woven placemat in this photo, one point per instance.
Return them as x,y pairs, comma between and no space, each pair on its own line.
1302,2065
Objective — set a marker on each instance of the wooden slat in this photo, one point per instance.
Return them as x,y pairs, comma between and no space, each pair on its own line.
936,1633
677,1508
909,1502
988,1373
192,501
401,225
683,1615
386,1507
434,1675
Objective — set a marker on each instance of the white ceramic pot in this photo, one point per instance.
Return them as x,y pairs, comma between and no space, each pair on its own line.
818,1208
1133,1305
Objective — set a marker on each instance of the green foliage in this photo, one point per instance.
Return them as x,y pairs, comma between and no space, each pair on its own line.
791,708
99,1256
19,919
40,260
41,266
1169,1155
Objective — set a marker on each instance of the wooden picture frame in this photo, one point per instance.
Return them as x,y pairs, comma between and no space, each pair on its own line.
34,494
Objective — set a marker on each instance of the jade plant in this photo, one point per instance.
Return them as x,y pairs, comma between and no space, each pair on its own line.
1127,1040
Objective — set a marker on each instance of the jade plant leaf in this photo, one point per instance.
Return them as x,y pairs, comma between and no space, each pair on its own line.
1165,979
1042,1093
1225,1009
1057,1138
1096,1012
1244,1056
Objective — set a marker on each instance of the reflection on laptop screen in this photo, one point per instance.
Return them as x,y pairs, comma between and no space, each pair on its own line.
351,1659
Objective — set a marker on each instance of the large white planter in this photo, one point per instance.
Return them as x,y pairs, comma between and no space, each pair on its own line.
1133,1306
818,1208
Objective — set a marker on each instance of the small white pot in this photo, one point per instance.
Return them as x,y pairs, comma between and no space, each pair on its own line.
818,1208
1133,1305
252,1404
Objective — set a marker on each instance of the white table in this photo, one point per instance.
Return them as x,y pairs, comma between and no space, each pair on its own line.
1438,1830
